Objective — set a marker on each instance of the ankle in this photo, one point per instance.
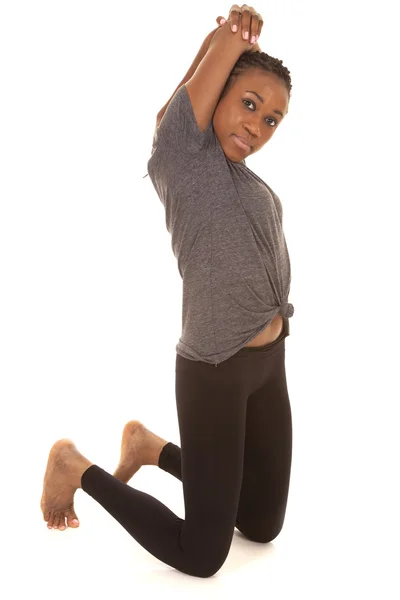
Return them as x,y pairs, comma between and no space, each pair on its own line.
156,454
80,467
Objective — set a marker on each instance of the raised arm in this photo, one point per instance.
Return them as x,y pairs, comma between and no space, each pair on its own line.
193,67
206,85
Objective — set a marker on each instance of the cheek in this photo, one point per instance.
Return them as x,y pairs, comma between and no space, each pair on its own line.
226,121
220,124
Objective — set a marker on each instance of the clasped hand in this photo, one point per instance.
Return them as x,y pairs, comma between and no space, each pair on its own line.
251,22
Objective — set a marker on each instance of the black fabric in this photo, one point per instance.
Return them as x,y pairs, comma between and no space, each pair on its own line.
234,462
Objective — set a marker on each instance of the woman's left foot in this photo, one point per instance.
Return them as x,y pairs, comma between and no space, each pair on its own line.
139,447
65,467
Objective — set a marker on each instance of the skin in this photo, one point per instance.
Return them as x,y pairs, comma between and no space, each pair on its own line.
139,446
242,113
66,465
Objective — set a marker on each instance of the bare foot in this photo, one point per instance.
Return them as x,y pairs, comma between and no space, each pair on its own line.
65,467
139,446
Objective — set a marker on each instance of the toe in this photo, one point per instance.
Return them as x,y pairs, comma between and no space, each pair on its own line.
50,520
72,519
61,526
56,520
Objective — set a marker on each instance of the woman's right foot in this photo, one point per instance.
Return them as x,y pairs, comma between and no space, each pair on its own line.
139,446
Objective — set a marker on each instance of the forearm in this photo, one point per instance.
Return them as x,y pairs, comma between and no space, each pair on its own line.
192,69
199,57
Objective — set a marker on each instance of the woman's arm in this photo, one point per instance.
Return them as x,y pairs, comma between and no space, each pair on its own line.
199,57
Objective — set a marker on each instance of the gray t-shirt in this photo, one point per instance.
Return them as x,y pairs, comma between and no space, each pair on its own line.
227,236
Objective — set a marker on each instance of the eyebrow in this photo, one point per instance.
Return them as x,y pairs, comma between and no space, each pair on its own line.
261,99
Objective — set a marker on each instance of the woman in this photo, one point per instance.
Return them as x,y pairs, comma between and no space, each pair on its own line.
232,400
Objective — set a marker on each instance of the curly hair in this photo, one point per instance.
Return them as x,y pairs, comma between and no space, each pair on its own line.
258,60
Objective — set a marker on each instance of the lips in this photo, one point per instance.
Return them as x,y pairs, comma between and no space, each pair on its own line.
243,145
244,140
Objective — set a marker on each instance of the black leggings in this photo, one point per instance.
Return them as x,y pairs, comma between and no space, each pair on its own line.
234,462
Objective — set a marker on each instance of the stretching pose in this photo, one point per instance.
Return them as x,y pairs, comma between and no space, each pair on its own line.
231,394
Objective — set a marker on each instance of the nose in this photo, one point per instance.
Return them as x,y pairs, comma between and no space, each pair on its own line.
253,132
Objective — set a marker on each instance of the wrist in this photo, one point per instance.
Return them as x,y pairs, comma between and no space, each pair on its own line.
255,48
210,37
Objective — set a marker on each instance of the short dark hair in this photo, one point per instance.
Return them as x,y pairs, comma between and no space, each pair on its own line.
258,60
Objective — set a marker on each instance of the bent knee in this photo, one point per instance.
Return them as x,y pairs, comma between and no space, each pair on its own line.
261,532
208,562
206,568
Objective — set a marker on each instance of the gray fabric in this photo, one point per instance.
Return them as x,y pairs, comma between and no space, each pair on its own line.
226,229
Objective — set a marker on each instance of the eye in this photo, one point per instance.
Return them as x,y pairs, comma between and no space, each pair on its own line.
251,102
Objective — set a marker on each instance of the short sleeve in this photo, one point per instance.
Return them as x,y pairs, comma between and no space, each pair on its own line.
178,130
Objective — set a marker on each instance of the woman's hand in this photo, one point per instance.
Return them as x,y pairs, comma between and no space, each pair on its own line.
252,22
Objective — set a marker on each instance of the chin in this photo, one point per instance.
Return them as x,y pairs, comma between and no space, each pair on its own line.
234,159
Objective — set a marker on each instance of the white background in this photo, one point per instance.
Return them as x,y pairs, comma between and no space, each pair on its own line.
90,303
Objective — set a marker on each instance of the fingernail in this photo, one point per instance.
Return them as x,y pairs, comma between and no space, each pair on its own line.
222,21
246,35
253,39
75,521
234,28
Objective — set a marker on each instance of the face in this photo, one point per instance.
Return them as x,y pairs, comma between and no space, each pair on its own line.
242,113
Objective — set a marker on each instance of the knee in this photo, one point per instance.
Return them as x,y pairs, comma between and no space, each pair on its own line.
207,549
206,573
207,563
261,532
209,566
204,570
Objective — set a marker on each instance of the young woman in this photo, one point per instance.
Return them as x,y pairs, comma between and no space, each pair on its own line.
232,400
